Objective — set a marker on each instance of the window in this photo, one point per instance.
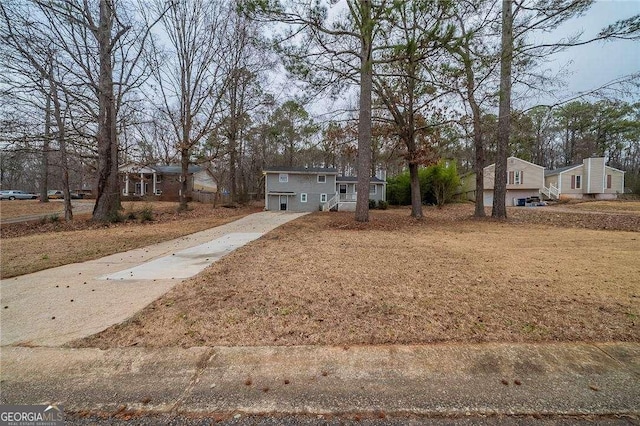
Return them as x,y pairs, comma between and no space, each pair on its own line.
608,181
515,177
576,181
158,178
322,179
303,197
283,178
343,188
158,192
323,198
519,177
373,189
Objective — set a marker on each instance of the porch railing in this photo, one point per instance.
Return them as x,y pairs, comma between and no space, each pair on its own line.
349,197
551,192
331,203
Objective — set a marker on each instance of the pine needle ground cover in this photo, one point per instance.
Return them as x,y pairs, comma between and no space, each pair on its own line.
325,280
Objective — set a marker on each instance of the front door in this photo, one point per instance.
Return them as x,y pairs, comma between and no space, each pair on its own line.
283,202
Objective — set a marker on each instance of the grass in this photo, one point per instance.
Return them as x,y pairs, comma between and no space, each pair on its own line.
325,280
34,247
606,206
17,208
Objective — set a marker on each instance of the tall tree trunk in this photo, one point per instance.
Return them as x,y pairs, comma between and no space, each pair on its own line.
184,178
44,176
364,119
108,192
478,139
62,142
478,144
504,113
416,196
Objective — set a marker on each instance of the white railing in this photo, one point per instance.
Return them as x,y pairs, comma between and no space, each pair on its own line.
331,203
551,192
351,197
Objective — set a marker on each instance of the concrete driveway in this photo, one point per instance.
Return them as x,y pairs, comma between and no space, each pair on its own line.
56,306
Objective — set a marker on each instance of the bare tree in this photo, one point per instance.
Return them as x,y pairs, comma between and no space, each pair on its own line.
189,73
32,51
473,68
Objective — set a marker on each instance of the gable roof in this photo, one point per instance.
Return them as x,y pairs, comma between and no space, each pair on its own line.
287,169
174,169
561,170
171,169
516,158
613,168
355,179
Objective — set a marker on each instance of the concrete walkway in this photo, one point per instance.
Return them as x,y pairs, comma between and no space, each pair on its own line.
55,306
431,380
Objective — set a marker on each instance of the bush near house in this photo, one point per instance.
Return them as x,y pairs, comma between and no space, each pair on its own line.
437,185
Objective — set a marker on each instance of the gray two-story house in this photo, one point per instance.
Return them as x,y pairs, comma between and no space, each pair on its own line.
306,189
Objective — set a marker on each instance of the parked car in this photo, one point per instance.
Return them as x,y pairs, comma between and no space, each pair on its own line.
55,194
16,195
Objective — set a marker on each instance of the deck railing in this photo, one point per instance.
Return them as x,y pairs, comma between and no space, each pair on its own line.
351,197
551,192
331,203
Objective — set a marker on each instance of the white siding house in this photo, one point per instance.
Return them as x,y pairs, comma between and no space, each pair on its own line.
524,180
591,179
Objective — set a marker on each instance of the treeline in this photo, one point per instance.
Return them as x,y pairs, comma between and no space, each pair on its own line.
89,86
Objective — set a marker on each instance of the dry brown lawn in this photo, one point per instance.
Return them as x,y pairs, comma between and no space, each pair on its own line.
32,247
628,207
17,208
323,279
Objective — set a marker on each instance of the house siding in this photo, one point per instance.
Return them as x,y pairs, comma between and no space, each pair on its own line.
532,181
617,181
595,177
299,183
380,192
532,173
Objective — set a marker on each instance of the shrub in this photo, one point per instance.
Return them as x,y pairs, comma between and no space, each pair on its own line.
372,204
382,205
146,214
399,190
115,217
437,185
443,179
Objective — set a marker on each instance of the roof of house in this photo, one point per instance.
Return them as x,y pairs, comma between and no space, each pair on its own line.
560,170
355,179
175,169
170,169
278,169
516,158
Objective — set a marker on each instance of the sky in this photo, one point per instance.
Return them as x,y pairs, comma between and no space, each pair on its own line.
593,65
583,68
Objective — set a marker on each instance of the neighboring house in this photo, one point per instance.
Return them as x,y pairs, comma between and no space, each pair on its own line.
312,189
163,182
591,179
524,180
